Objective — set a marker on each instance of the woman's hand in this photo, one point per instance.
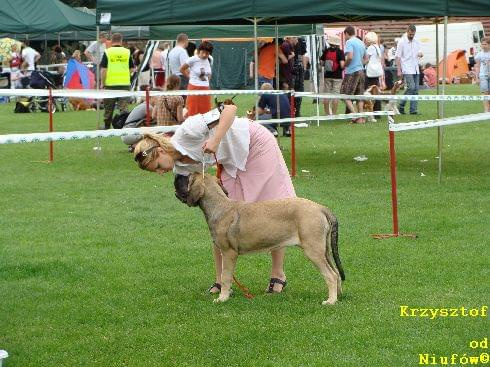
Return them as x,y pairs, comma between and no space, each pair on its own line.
210,146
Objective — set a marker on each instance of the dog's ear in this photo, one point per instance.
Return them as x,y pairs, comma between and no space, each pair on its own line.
181,183
195,189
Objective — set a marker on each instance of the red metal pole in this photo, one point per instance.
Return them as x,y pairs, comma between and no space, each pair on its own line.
394,200
293,143
50,109
148,115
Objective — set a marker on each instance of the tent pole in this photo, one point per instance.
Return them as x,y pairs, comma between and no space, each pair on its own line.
440,128
256,67
313,74
97,81
278,104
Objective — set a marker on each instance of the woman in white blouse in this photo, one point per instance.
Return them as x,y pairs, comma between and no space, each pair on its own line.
253,167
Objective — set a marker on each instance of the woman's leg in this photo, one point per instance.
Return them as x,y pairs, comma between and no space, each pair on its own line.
277,270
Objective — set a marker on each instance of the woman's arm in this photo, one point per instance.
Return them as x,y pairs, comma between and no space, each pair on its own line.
184,69
225,121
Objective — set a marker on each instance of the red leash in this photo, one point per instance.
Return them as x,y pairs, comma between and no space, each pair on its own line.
245,290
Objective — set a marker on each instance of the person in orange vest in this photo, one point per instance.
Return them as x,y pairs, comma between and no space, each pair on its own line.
116,67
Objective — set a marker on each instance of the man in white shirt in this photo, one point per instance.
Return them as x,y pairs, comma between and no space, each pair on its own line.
407,64
177,57
96,50
30,56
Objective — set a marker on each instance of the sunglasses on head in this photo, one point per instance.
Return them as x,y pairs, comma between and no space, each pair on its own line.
143,154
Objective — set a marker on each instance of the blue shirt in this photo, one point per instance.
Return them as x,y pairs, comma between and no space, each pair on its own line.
357,48
270,101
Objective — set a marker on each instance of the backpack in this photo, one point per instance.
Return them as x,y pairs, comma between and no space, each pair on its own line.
119,120
22,107
331,62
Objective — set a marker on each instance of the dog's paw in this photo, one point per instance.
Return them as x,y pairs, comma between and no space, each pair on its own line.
220,299
329,302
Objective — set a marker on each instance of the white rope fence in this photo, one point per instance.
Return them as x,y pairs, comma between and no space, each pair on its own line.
396,97
79,135
102,94
477,117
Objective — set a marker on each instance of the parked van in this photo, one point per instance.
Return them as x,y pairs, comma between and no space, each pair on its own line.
460,36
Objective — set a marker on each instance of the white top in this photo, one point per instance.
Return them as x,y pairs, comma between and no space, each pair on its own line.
176,58
93,50
29,56
374,51
374,65
232,151
200,71
484,58
408,51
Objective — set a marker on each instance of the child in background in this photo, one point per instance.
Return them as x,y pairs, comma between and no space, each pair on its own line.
482,70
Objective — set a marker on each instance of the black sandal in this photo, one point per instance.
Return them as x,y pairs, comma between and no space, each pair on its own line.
215,285
276,281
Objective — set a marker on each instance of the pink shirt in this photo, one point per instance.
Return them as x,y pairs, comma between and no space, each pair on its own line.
156,61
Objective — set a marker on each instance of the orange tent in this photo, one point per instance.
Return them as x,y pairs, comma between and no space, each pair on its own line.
457,65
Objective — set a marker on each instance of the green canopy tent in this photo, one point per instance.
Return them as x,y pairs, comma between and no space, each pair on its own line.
34,16
159,12
170,32
128,32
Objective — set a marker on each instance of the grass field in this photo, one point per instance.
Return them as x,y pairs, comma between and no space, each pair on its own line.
101,265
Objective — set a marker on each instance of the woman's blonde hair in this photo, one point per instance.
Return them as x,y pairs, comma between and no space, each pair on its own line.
371,37
152,140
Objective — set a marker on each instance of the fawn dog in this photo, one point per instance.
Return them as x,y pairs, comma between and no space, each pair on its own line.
239,228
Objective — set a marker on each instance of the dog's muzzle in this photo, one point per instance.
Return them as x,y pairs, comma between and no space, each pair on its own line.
181,184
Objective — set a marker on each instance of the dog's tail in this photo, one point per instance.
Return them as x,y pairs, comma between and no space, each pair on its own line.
334,237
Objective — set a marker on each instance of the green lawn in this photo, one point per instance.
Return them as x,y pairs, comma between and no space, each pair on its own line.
101,265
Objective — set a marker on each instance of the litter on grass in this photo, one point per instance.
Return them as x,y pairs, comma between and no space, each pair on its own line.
361,158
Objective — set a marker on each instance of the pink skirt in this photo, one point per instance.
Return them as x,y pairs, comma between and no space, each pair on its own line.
266,176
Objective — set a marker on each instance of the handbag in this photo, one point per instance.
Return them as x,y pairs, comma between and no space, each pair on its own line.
374,69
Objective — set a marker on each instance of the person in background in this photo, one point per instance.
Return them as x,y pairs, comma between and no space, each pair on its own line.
191,49
482,70
177,57
95,51
267,63
116,67
355,59
407,65
58,56
268,109
77,55
374,67
333,61
197,69
30,56
299,73
156,66
15,60
169,109
430,76
164,57
286,69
